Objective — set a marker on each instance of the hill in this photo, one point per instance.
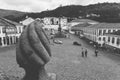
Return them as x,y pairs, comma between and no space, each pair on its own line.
4,12
103,12
12,14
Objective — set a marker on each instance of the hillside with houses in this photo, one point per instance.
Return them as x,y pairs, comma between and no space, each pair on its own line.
103,12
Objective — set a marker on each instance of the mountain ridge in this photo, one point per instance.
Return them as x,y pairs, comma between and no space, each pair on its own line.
103,12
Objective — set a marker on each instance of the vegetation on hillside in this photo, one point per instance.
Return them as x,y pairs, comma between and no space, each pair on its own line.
103,12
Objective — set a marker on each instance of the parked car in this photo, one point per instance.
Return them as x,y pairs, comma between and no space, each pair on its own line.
76,43
58,42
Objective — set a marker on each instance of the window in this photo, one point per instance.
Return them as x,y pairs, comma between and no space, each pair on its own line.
3,30
114,30
19,29
99,38
118,41
103,38
109,31
108,39
113,40
4,40
0,41
100,32
104,31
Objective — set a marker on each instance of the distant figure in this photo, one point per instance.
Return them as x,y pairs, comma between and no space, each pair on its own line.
82,52
86,52
96,52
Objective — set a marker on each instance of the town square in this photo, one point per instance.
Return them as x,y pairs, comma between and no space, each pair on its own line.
60,40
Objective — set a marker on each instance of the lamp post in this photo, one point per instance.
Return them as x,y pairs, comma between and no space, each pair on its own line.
59,28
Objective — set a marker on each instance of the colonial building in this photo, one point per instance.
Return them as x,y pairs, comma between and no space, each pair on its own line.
9,32
53,22
113,39
96,32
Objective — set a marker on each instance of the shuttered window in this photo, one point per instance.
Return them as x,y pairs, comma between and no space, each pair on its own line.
103,38
118,41
108,39
113,40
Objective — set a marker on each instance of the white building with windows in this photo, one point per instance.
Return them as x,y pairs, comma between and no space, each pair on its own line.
9,32
112,41
53,22
96,32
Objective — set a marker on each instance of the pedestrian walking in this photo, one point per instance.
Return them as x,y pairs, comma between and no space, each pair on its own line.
86,52
82,52
96,52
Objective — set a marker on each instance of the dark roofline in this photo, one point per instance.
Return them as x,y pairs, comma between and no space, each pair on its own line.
11,22
7,22
105,25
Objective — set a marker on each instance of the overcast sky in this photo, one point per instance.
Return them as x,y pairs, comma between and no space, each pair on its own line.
41,5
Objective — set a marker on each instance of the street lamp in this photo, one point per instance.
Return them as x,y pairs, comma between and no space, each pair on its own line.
59,28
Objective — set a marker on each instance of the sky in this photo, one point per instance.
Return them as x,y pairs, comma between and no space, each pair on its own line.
42,5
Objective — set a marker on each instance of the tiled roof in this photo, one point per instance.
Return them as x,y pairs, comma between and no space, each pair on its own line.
84,20
12,22
6,23
79,26
105,25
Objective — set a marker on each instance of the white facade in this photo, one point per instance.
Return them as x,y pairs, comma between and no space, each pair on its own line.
54,22
9,32
55,27
101,39
113,40
96,32
27,21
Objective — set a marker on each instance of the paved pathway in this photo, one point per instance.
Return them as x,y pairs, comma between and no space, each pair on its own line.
68,64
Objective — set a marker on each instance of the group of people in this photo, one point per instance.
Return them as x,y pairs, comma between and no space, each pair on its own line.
85,52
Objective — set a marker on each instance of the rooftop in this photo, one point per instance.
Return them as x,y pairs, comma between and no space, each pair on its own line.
3,22
79,26
105,25
8,23
12,22
84,20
